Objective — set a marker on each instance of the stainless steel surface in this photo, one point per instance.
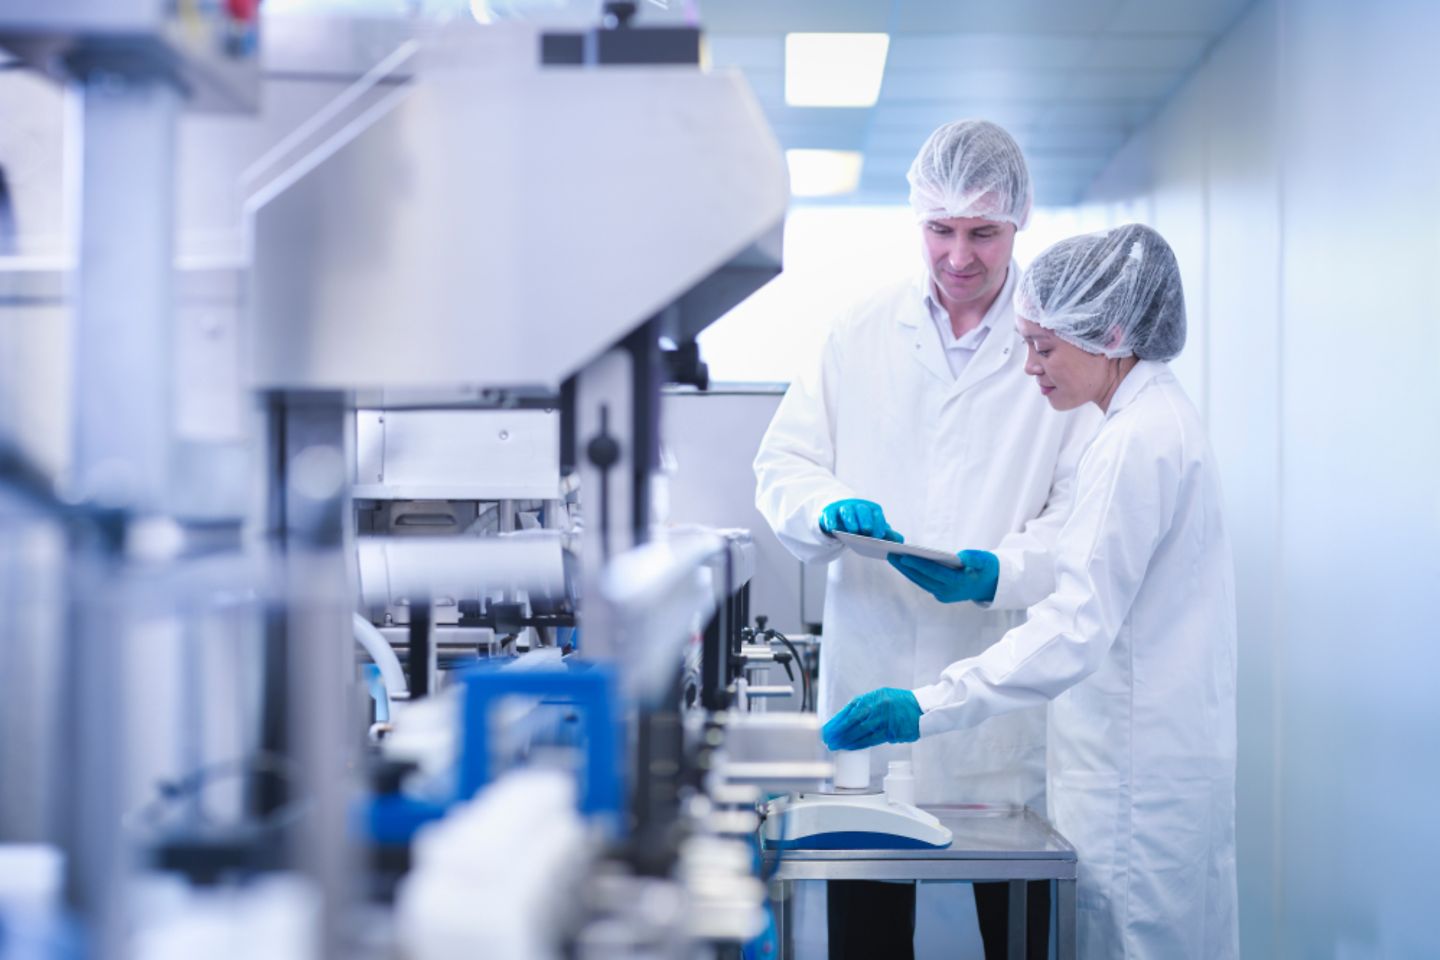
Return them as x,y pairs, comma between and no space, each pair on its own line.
32,582
604,409
776,775
991,843
419,226
652,600
1066,942
770,691
445,638
954,871
452,569
320,705
457,455
1016,893
120,153
1066,939
780,751
123,154
981,832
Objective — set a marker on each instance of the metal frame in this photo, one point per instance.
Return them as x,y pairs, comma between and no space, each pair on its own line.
1056,863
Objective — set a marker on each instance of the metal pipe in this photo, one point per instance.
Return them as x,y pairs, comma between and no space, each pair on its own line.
120,167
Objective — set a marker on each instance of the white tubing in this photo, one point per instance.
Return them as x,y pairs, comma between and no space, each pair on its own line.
383,654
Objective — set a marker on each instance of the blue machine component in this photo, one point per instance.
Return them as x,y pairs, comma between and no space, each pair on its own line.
767,945
852,840
590,690
376,688
391,818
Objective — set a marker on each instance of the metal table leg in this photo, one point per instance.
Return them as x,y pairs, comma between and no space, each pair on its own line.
782,900
1065,937
1016,927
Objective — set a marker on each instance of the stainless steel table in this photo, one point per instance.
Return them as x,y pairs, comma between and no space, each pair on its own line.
991,843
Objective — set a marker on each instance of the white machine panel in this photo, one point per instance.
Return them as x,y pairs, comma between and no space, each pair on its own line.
496,222
457,455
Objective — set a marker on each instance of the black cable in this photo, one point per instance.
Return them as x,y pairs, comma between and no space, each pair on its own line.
807,699
191,786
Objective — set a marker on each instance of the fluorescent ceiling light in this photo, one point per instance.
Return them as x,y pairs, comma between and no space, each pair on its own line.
834,69
823,173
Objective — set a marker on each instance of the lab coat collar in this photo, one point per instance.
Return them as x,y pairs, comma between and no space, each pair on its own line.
1141,374
924,289
993,351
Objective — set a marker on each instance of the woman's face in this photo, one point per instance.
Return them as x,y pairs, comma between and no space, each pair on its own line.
1068,376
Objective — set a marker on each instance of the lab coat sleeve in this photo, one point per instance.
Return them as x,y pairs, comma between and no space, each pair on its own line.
1027,569
794,470
1125,502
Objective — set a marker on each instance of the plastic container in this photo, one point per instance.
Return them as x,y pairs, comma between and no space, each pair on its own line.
900,782
852,769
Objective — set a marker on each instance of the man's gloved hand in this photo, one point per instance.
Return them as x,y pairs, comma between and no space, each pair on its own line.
975,580
881,716
857,516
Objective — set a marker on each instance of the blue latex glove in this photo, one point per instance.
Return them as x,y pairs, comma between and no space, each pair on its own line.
976,580
864,517
881,716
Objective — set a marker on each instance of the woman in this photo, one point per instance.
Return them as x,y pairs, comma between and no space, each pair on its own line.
1135,649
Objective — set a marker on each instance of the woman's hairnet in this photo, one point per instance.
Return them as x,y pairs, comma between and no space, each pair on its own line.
970,168
1115,293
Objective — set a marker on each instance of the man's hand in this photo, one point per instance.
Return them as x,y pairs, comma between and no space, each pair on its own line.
864,517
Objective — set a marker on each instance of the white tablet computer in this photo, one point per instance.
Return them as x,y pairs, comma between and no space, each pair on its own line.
879,549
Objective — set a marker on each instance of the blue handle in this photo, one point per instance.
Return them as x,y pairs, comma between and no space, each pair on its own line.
591,691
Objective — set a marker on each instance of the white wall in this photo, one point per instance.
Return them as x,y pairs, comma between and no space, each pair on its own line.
1295,173
834,256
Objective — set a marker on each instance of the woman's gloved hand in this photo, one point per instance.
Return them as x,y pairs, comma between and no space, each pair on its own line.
881,716
864,517
975,580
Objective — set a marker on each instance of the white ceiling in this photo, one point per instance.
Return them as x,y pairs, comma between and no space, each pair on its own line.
1071,79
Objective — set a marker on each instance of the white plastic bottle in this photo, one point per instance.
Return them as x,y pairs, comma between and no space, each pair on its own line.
900,782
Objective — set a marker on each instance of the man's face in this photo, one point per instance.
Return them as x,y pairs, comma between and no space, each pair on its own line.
968,258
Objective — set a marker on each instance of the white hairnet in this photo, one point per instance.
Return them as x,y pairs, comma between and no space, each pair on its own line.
1115,293
970,168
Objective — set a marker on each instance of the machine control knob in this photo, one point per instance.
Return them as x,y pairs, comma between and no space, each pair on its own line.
618,15
603,451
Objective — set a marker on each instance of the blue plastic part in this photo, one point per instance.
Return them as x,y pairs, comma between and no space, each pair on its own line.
392,819
591,691
853,840
40,933
766,946
376,687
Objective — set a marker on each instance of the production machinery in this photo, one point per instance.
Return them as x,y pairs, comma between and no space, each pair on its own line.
467,278
127,70
465,302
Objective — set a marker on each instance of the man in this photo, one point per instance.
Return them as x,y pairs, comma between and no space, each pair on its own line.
919,414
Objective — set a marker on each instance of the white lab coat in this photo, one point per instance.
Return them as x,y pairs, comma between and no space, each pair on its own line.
956,463
1136,652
